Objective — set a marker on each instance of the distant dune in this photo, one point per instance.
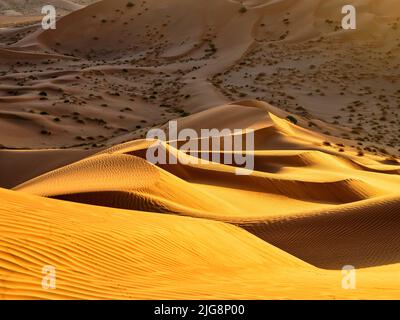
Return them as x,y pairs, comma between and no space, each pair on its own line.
76,104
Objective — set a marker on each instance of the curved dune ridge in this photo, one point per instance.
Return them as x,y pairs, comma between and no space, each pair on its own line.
76,104
102,253
15,55
323,206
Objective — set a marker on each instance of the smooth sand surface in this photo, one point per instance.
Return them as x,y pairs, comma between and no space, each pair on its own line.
78,192
116,254
323,208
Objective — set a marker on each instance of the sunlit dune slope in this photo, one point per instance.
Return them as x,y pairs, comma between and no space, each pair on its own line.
105,253
365,233
318,190
102,253
294,172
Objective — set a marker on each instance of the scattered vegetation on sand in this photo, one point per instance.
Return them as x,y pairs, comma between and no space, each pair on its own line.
292,119
45,132
243,9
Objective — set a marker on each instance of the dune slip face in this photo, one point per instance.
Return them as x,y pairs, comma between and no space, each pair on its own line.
186,149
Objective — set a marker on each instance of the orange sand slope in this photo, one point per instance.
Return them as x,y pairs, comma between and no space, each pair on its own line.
109,253
76,104
325,209
119,69
293,166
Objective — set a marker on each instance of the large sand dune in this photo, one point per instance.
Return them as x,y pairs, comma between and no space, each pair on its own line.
324,207
108,254
77,102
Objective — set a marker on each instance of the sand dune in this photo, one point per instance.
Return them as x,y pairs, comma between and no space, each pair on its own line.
305,176
6,54
365,233
132,59
114,253
15,165
108,254
76,104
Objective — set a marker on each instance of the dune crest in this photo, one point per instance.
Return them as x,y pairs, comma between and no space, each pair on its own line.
314,106
303,194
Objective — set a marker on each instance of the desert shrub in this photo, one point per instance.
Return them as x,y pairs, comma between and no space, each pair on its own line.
45,132
292,119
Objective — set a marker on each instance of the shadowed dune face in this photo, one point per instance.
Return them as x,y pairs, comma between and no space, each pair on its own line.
365,234
77,103
165,32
